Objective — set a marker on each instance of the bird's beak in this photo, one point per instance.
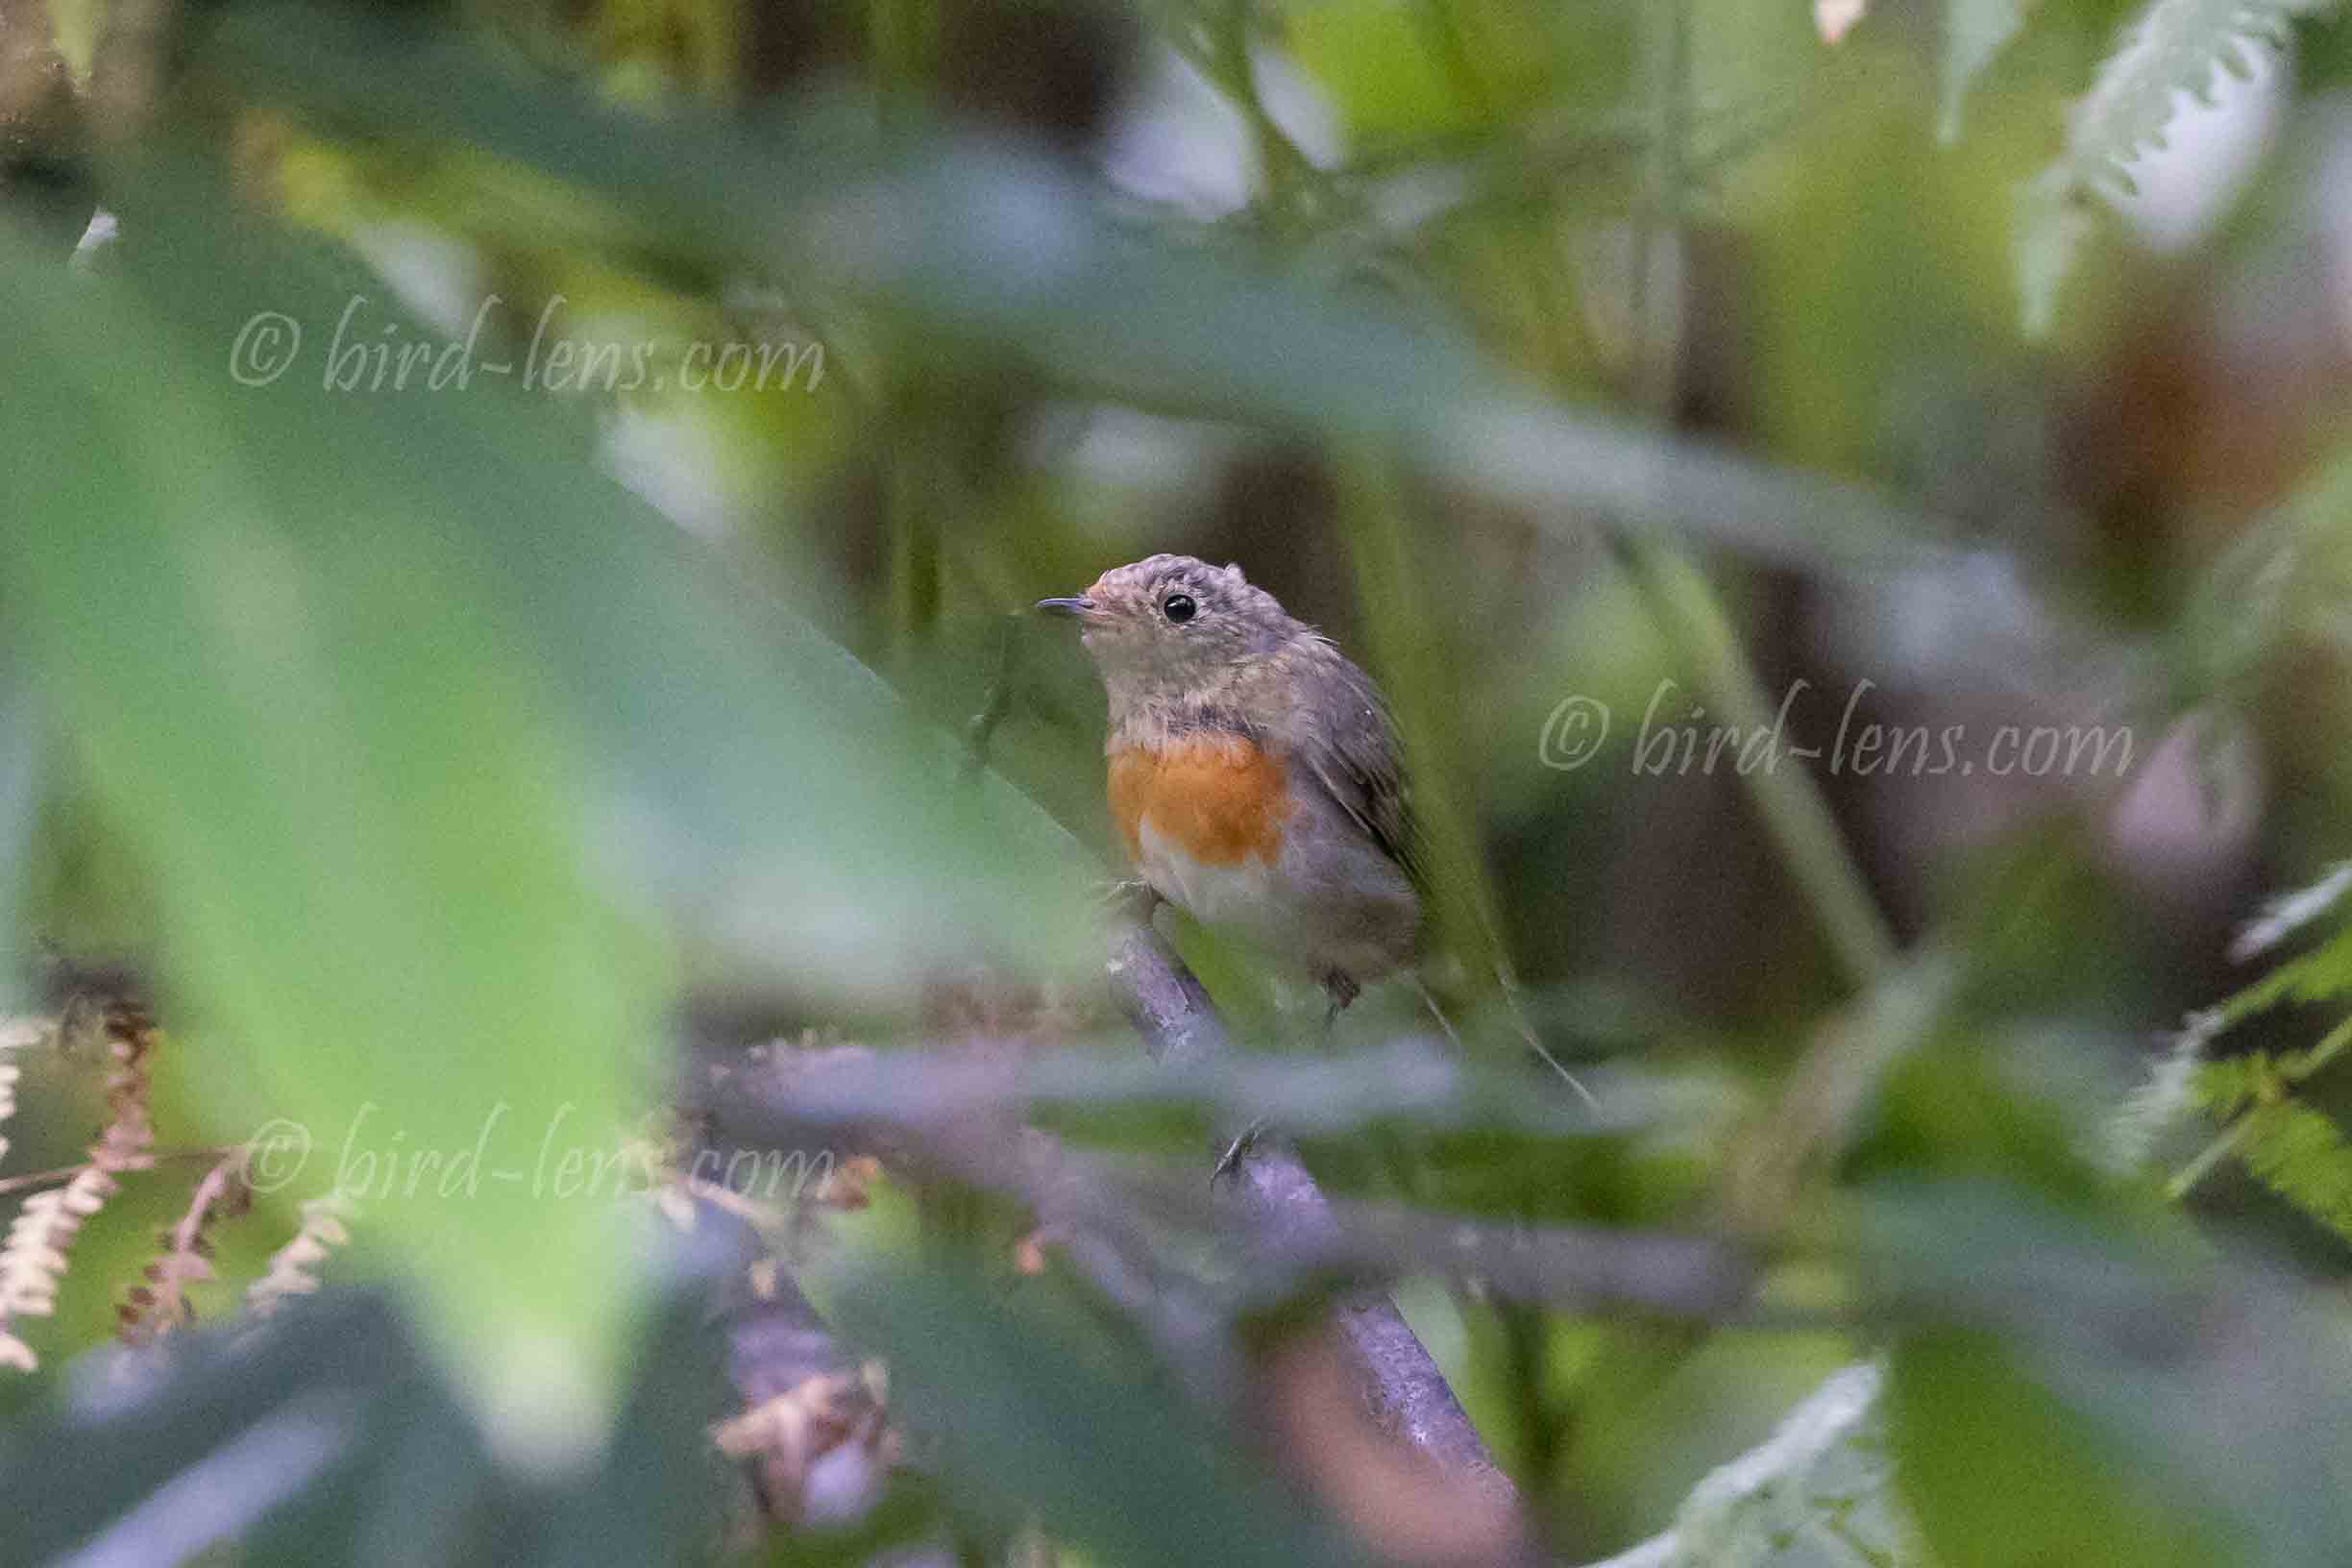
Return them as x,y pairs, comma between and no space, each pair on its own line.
1078,608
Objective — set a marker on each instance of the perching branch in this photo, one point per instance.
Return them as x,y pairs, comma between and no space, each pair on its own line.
971,1119
964,1119
1401,1385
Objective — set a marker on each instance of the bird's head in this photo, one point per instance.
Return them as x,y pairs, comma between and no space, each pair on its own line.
1171,627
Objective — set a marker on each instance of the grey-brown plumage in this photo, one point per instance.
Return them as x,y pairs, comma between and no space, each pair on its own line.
1254,770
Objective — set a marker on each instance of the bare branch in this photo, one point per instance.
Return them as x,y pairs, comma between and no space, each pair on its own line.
1400,1381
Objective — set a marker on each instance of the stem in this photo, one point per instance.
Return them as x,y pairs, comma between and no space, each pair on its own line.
908,503
901,36
2331,1045
1828,1085
61,1174
901,40
1681,600
1656,318
2292,1070
2210,1156
1542,1428
1794,813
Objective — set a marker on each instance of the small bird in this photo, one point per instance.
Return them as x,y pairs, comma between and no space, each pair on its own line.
1253,772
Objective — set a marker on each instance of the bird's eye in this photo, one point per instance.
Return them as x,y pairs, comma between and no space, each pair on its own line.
1179,607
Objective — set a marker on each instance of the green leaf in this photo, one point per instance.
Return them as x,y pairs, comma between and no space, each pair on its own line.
2055,220
325,1436
1822,1493
2288,913
1108,1457
23,745
2300,1154
2096,1388
233,1434
660,1491
2000,1474
367,823
2172,48
2165,1096
2224,1088
2320,975
1377,60
410,710
1005,258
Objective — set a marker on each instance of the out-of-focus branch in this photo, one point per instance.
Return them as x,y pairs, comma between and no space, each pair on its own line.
1399,1382
1590,1268
969,1120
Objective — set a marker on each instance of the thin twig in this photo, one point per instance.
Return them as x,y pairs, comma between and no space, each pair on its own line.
2224,1144
66,1174
1830,1084
1789,805
982,728
2294,1070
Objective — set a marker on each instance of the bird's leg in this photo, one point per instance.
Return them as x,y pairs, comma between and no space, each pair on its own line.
1129,896
1342,990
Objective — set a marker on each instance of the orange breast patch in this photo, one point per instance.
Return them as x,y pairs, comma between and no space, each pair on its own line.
1221,801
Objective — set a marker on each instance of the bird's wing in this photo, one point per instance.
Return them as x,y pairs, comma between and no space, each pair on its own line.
1351,750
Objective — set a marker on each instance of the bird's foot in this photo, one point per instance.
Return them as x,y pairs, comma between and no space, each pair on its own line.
1130,896
1342,990
1229,1164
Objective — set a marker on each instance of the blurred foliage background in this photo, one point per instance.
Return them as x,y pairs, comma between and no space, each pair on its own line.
517,525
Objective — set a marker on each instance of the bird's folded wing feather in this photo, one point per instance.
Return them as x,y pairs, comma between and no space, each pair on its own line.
1351,753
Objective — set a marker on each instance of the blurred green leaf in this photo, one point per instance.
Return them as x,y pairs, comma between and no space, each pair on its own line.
177,1457
907,1513
994,250
366,820
2300,1154
324,1437
1108,1457
1378,62
1949,1109
2171,49
23,752
1821,1494
1975,33
2093,1389
659,1494
404,703
2000,1474
2321,974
